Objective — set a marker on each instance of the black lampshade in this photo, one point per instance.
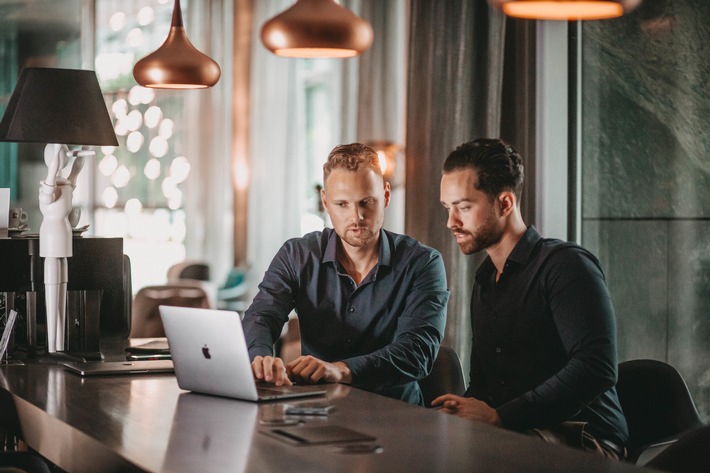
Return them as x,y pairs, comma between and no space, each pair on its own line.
57,106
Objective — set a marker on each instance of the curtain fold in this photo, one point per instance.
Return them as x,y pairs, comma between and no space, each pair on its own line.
455,75
208,208
382,89
277,150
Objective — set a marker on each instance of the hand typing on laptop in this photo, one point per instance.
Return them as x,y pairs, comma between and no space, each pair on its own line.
270,369
308,370
303,370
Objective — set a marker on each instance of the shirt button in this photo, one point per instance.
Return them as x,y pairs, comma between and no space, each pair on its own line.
502,383
352,309
498,349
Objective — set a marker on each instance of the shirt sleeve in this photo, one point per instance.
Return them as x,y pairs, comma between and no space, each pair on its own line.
584,316
420,329
269,311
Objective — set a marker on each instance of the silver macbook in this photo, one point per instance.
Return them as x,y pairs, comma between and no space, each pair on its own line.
210,355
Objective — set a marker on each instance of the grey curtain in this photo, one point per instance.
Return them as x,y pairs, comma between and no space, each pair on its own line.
455,83
381,91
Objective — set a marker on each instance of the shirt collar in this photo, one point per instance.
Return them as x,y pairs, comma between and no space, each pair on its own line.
525,246
520,254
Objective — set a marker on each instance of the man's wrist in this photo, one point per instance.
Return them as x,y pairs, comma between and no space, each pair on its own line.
346,376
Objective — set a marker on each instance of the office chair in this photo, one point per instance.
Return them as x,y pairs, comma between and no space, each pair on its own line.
145,316
689,454
193,273
233,293
657,405
191,270
446,376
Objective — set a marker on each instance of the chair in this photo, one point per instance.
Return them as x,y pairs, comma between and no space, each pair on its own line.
194,270
657,405
232,295
446,376
23,462
689,454
145,316
193,273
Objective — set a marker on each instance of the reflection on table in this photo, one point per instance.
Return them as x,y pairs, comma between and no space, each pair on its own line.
146,423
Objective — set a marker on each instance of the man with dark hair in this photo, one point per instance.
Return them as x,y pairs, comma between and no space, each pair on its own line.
371,304
544,334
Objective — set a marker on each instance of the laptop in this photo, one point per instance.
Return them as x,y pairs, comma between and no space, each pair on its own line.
103,368
210,355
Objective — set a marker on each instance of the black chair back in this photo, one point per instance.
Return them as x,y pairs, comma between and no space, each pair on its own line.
446,377
690,454
656,403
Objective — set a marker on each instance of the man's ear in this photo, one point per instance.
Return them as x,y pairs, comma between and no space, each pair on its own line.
506,203
388,193
322,199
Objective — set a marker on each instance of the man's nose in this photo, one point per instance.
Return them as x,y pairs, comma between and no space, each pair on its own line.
452,220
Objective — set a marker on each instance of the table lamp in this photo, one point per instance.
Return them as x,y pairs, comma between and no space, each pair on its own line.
59,107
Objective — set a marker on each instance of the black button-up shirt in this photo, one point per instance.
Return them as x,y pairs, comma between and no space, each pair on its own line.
544,339
387,329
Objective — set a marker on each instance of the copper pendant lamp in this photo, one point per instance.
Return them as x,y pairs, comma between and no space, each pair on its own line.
565,9
177,64
317,28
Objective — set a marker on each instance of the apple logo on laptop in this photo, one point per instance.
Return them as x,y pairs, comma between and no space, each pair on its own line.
206,352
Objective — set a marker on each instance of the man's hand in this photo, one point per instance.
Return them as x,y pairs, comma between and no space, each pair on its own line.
270,369
468,408
310,370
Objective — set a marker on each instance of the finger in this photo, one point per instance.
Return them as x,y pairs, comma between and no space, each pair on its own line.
321,374
441,399
308,369
287,381
278,371
257,368
451,405
294,367
267,366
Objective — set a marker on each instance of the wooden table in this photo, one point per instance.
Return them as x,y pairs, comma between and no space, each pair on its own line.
146,423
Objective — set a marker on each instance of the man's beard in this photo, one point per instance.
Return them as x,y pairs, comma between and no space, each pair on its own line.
363,239
486,236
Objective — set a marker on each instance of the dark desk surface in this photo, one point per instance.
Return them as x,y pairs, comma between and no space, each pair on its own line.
146,423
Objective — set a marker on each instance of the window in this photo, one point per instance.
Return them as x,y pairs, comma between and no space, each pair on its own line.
138,187
646,180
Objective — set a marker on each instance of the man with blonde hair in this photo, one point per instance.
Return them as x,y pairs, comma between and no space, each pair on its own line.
371,304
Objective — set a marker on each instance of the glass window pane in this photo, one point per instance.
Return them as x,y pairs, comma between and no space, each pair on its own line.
139,186
646,179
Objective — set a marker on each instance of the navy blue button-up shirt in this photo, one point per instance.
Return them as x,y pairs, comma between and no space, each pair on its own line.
387,329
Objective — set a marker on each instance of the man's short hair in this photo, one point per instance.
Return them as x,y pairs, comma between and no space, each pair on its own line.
352,157
498,166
